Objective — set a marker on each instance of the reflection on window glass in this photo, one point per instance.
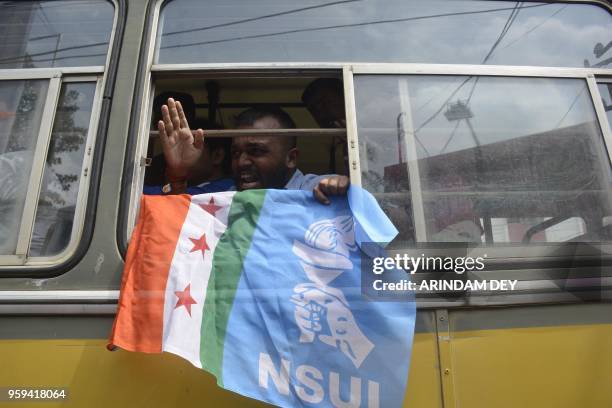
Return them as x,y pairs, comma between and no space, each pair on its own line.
539,229
498,159
21,107
65,33
63,169
421,31
606,97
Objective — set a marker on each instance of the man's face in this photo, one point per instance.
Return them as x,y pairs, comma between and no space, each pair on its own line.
327,108
262,161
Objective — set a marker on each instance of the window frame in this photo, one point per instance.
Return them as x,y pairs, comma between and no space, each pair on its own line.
84,179
18,265
603,79
535,281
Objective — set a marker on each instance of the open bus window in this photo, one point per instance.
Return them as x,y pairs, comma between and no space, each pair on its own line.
214,104
465,159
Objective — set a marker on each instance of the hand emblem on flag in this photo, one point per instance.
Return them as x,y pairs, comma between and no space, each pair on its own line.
319,306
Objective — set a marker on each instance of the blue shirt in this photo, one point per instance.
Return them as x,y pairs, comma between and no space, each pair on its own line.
215,186
301,181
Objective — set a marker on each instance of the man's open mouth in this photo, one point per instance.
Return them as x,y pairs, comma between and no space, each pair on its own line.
248,180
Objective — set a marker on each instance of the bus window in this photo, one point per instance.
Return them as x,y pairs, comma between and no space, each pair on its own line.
393,31
65,33
24,151
48,118
465,159
214,103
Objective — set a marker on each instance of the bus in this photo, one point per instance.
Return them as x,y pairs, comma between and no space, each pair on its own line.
479,122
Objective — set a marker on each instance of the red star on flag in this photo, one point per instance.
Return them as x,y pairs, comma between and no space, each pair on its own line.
211,207
185,299
199,244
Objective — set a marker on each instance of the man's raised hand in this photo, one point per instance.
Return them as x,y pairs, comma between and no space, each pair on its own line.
182,149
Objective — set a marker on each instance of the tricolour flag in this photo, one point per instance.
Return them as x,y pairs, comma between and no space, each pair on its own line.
262,289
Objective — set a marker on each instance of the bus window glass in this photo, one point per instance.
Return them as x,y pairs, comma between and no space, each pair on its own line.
605,89
65,33
63,168
21,107
417,31
498,159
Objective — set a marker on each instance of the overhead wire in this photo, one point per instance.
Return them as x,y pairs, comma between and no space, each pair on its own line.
529,31
498,41
509,21
366,23
570,107
247,20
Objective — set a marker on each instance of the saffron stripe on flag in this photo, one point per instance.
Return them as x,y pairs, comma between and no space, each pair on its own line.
141,305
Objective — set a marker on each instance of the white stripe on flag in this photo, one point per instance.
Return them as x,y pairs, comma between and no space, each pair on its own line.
189,272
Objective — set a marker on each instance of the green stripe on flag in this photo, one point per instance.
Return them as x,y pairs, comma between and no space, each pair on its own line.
225,275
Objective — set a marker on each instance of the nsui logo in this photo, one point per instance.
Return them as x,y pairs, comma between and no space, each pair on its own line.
322,312
309,384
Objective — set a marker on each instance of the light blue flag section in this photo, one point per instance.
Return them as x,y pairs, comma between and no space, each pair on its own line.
300,333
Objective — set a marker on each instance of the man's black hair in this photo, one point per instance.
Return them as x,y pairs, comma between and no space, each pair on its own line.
251,115
322,83
185,99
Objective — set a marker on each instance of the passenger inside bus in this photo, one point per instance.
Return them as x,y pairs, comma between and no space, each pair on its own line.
211,173
257,161
324,99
